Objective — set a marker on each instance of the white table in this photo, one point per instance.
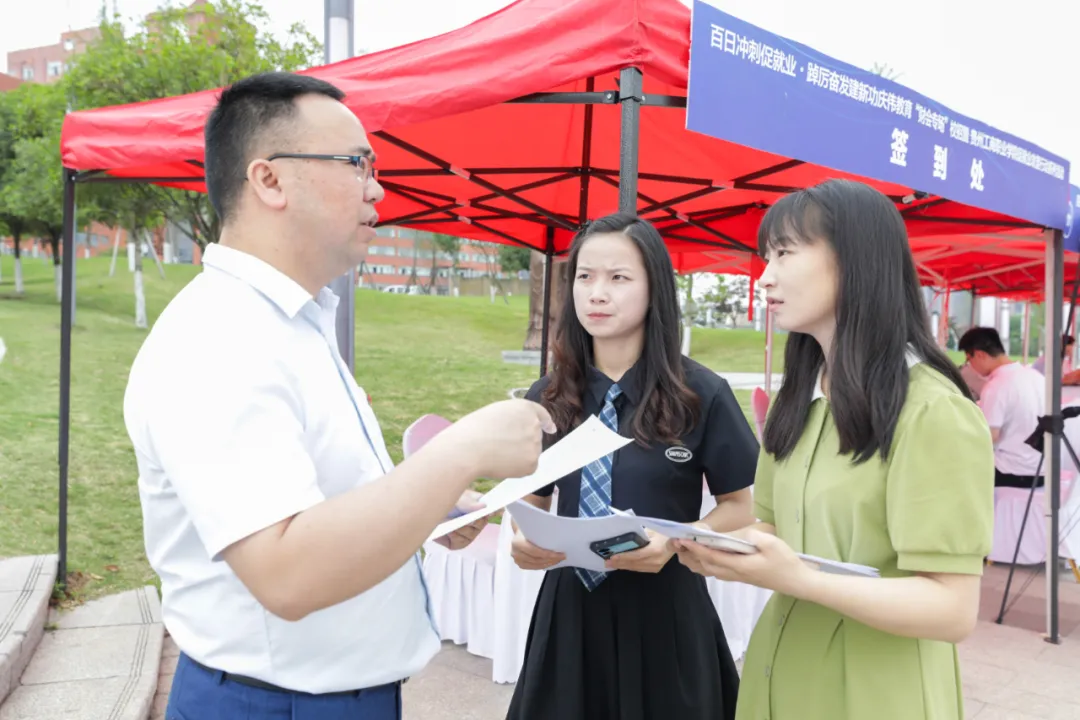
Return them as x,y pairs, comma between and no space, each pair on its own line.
1010,505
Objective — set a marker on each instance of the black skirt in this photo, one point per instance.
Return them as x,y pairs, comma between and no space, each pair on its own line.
641,646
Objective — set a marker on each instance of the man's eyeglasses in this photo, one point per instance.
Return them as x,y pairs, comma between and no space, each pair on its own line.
365,166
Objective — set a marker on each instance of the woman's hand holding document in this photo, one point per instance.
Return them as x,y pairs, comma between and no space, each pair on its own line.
584,542
527,555
588,442
703,550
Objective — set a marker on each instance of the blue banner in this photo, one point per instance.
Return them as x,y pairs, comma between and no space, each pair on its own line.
1072,221
763,91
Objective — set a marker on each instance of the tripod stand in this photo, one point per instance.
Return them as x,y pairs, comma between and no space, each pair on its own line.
1054,425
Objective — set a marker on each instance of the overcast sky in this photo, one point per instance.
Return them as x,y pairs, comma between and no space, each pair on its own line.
1011,66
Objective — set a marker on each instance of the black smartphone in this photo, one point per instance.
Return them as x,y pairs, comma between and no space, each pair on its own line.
619,544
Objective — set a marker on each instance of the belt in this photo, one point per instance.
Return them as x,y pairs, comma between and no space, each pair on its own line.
262,685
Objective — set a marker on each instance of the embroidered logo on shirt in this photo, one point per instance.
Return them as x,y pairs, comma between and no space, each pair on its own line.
678,454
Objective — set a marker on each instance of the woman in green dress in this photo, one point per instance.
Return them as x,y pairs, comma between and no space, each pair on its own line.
874,453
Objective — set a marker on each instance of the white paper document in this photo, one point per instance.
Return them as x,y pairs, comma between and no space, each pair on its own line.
571,535
589,441
720,541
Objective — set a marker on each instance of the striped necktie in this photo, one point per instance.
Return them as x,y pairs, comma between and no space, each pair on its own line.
596,484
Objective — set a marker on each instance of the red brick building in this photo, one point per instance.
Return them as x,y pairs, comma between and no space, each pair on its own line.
393,255
47,64
391,259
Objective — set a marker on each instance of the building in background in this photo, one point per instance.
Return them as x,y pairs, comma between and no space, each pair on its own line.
401,258
48,63
391,260
194,15
8,82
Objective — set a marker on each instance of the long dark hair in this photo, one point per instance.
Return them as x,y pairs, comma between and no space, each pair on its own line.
879,313
668,408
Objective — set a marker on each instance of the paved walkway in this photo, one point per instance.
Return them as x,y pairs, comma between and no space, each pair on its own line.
96,662
106,659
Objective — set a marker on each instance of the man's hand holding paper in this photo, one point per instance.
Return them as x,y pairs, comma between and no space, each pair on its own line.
588,442
470,501
501,440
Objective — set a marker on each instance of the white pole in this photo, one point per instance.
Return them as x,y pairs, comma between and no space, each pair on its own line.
1052,452
153,253
338,41
1026,333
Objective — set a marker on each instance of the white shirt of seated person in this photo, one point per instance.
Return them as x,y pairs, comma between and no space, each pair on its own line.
240,419
1013,399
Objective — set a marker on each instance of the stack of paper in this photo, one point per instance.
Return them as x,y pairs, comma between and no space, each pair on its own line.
728,543
589,441
569,535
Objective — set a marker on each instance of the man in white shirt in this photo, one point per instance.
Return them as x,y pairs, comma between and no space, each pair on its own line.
286,542
974,380
1012,399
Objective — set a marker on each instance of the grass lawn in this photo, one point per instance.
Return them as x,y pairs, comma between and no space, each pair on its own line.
415,354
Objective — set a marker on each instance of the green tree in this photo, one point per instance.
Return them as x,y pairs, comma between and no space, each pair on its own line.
728,298
534,333
417,248
135,208
173,53
492,253
32,189
685,286
514,258
11,223
450,246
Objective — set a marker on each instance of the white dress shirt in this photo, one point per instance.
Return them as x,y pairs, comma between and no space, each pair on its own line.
239,408
1013,399
974,380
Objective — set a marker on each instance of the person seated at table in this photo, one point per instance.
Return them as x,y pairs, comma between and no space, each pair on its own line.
875,454
1067,344
974,380
1013,399
643,640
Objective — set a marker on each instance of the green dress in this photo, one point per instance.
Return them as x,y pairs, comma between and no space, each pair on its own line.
929,508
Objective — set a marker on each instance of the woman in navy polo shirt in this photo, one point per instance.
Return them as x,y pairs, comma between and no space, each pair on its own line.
642,640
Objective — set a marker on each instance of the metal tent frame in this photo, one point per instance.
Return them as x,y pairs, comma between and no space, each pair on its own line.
630,97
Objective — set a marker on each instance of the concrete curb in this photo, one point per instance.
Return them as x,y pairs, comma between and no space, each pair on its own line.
26,585
101,661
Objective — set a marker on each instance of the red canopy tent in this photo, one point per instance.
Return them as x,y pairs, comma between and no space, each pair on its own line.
505,130
1007,265
522,149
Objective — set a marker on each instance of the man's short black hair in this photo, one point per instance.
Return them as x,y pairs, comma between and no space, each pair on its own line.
1066,341
981,338
245,112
